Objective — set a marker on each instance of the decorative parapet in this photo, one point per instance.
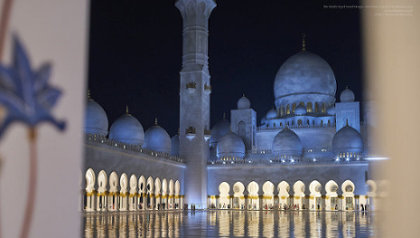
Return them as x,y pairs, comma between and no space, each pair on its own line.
102,140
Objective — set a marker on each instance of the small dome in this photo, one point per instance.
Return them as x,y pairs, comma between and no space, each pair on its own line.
331,110
271,114
175,145
219,130
231,145
127,129
157,139
347,139
96,121
244,103
286,142
300,110
347,95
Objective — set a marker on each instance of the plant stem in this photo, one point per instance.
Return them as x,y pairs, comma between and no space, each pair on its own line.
30,202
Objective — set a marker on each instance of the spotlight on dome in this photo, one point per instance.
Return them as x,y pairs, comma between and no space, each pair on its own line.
337,159
224,162
271,161
232,162
283,161
347,159
314,159
292,160
249,161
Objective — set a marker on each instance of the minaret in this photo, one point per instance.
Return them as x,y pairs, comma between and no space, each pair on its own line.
194,115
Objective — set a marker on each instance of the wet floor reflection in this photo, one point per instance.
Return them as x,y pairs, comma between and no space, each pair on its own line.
227,223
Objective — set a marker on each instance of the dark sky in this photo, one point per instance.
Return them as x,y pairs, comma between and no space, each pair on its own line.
135,53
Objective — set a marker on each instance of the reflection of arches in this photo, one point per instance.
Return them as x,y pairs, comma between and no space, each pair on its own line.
158,186
224,201
133,192
298,195
171,194
123,192
331,195
284,189
253,199
177,196
164,197
238,196
89,198
268,197
142,193
113,192
102,183
348,195
315,195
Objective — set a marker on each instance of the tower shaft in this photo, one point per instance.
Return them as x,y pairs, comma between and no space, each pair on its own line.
195,98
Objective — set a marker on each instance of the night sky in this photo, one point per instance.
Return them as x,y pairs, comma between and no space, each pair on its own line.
135,49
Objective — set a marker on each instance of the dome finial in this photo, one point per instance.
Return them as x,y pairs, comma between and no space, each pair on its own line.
303,42
126,109
88,93
224,116
243,94
156,121
347,122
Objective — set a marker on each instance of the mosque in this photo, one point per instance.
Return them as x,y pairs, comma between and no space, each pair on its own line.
308,152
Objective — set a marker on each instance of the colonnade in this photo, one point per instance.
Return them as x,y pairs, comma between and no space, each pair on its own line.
123,194
284,200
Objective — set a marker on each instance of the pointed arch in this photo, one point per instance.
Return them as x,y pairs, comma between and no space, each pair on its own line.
89,195
253,197
284,196
268,196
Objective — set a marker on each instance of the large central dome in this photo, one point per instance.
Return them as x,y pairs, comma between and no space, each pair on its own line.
304,77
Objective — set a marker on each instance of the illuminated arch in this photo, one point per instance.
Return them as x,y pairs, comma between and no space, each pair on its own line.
315,195
158,187
171,201
101,198
298,195
123,192
149,193
331,202
238,196
224,199
141,203
253,197
89,198
177,195
284,197
132,203
164,196
268,196
348,195
113,192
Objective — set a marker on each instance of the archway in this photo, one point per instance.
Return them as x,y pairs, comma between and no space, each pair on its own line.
224,201
253,198
331,202
298,195
238,196
284,197
177,196
113,192
101,198
133,192
348,195
371,195
89,198
158,187
315,195
142,193
123,192
268,197
171,194
149,194
164,197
